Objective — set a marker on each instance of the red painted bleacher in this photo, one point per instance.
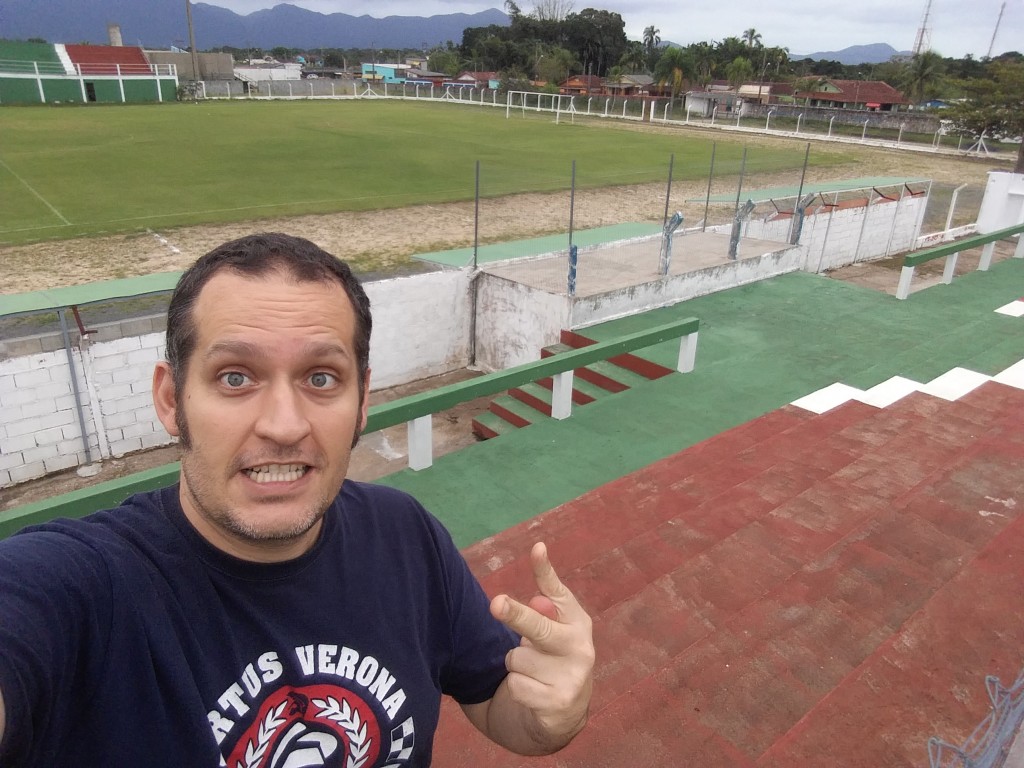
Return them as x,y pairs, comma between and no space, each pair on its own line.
108,60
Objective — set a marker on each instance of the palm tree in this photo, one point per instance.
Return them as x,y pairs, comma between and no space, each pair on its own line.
752,38
651,38
635,58
921,76
673,69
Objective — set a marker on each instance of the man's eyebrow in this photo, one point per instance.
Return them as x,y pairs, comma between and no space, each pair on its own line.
236,349
317,349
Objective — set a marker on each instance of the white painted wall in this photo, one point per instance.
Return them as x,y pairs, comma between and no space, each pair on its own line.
514,322
421,329
590,310
1003,203
421,326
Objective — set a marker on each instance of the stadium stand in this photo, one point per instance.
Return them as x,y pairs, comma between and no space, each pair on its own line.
106,59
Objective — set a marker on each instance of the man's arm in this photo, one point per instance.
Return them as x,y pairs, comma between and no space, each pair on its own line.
543,702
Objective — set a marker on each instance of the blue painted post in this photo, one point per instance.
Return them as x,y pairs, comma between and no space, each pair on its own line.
573,254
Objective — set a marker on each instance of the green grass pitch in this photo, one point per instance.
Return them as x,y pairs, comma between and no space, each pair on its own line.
73,171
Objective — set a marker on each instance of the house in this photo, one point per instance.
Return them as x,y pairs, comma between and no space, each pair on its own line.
632,85
872,95
424,76
384,73
582,85
478,79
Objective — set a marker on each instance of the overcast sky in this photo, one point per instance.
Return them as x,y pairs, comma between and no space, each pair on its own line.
958,27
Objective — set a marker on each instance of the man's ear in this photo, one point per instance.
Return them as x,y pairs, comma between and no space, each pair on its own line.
163,398
364,411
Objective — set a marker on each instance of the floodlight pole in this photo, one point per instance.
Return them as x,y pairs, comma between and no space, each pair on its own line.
192,41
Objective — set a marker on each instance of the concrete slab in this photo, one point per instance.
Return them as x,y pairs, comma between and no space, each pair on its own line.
954,384
889,391
631,263
828,398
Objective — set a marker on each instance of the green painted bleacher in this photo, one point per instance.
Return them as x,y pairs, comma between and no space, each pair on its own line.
18,56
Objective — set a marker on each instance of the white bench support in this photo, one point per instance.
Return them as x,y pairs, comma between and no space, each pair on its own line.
950,270
1019,252
561,395
986,257
687,352
906,276
421,446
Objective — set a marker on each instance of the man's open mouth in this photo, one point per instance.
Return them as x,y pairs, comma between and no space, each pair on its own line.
276,473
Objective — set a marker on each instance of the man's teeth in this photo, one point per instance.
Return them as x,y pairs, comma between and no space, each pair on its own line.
277,473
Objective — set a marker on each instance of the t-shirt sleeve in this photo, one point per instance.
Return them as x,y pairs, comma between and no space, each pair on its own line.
479,641
52,618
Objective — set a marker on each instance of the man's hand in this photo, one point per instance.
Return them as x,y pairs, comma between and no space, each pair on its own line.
543,702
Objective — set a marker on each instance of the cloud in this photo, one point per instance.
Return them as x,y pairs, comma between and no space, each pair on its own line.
956,28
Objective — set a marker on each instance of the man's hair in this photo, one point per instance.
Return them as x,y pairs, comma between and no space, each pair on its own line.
256,256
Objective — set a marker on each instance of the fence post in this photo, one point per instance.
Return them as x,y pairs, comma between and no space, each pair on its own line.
707,197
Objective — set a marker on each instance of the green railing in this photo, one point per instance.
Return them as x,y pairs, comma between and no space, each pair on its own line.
951,251
415,410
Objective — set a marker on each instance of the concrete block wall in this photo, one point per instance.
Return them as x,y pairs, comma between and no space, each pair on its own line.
40,431
421,329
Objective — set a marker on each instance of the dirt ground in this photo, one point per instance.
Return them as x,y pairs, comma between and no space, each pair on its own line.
384,241
381,242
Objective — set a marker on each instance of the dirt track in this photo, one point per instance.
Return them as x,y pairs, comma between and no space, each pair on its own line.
380,242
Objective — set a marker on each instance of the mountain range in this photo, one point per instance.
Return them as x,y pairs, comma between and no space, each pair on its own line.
162,23
876,53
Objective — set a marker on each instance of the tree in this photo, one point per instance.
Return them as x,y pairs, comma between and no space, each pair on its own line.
702,56
739,71
596,38
635,58
752,38
651,37
552,10
555,65
994,105
921,76
674,70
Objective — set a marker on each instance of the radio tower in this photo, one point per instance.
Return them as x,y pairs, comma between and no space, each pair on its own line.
996,30
924,35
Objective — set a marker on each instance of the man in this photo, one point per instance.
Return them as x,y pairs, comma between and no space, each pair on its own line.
266,611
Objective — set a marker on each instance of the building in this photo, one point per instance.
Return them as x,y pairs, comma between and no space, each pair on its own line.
872,95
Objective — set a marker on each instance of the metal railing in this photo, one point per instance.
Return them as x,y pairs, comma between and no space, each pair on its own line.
989,743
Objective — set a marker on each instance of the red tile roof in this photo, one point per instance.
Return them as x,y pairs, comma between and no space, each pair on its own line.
858,91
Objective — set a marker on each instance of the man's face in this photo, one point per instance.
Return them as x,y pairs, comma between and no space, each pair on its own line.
271,400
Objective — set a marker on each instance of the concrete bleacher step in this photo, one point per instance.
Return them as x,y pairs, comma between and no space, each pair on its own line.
782,592
629,361
590,383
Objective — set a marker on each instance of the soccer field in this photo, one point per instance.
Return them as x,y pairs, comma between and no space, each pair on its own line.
72,171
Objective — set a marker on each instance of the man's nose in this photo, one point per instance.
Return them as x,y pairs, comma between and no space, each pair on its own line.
282,417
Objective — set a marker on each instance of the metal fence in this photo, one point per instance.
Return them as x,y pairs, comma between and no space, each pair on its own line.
990,742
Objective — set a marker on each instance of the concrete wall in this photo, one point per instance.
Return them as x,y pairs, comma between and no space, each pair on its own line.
40,432
515,321
1003,204
915,122
422,327
836,238
591,310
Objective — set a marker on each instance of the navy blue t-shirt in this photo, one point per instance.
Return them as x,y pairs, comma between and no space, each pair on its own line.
126,639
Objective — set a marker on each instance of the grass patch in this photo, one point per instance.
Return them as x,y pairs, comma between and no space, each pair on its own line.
69,172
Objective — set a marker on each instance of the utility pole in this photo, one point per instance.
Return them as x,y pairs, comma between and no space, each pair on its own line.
192,41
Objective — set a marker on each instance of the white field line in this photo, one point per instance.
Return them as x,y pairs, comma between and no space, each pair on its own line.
28,186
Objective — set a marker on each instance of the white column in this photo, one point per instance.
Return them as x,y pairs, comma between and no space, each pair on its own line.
986,257
1019,251
687,353
906,276
561,395
421,448
950,269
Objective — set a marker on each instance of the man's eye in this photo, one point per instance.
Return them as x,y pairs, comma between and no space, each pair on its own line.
321,380
234,379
